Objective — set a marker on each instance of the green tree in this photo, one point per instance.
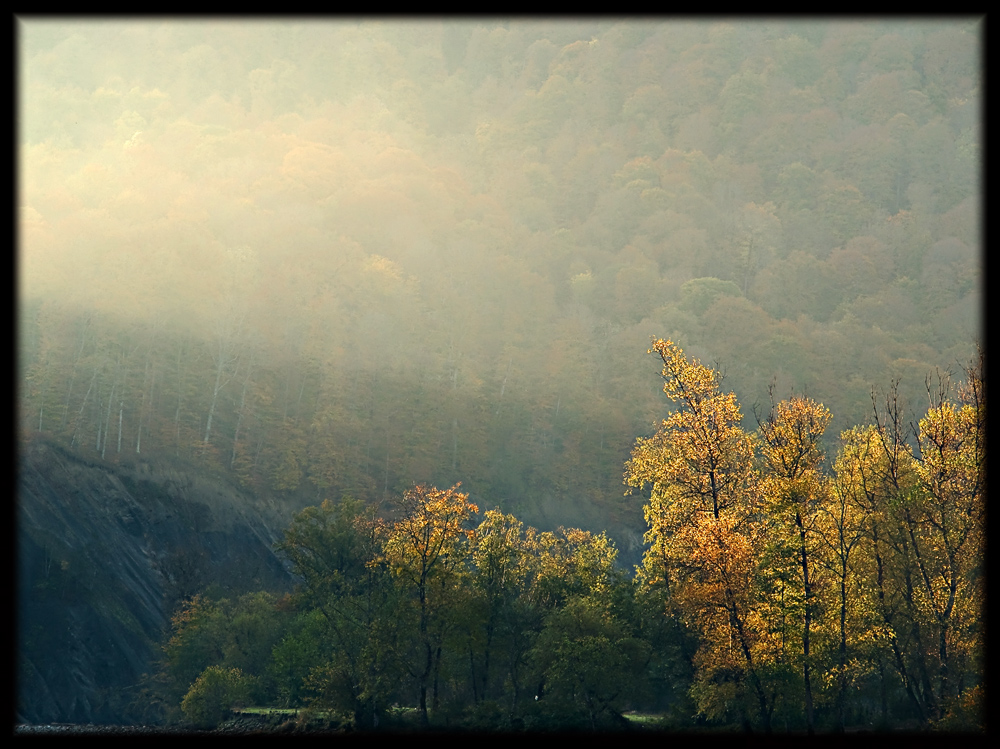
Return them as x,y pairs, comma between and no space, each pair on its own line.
570,562
214,694
306,644
589,663
335,549
500,578
228,633
796,58
194,644
698,294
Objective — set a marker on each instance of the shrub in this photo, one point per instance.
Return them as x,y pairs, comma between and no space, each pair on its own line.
214,694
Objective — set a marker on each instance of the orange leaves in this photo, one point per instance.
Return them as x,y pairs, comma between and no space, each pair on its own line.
722,561
703,513
716,546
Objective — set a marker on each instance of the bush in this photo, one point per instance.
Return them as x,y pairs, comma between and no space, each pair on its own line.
214,694
966,713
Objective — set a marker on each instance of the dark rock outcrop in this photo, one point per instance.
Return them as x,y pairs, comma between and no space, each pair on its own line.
105,553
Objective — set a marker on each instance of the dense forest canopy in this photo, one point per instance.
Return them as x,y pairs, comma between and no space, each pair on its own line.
348,257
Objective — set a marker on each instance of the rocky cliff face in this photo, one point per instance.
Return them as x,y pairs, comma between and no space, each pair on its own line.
105,552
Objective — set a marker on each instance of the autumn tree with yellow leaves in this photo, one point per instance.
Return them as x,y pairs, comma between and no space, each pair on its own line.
859,630
500,566
873,573
790,446
911,511
705,532
944,543
426,551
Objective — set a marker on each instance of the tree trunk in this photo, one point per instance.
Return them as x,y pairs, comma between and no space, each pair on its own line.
239,416
180,394
806,626
215,396
72,379
842,652
107,421
83,406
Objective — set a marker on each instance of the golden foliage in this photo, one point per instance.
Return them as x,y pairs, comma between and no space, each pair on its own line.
431,533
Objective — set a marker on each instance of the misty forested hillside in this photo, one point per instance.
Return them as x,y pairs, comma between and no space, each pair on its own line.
349,256
325,258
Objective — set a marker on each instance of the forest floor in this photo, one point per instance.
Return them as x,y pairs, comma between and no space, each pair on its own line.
273,721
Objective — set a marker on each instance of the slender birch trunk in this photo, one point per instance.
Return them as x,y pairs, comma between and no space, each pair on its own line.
83,406
107,421
219,365
239,416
